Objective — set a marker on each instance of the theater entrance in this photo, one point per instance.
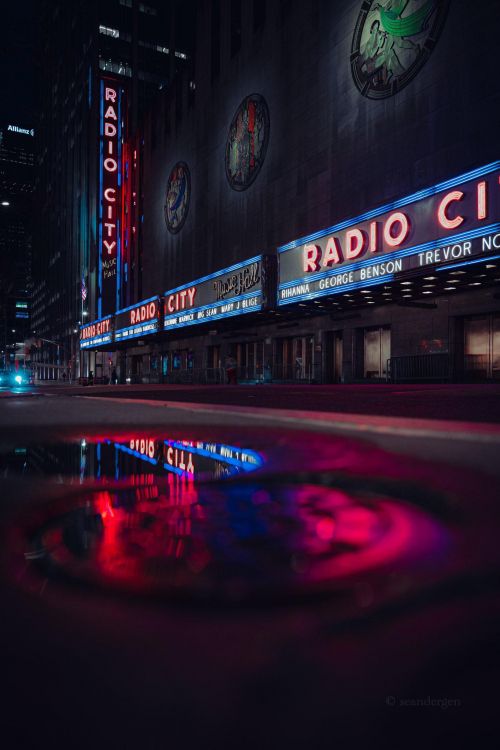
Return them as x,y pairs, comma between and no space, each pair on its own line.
250,361
377,351
482,347
294,359
333,360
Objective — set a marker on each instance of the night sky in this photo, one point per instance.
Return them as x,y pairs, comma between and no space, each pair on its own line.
17,63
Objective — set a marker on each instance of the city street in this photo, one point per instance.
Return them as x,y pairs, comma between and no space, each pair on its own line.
249,375
340,562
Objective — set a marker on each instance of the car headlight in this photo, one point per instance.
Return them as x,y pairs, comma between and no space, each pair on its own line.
18,379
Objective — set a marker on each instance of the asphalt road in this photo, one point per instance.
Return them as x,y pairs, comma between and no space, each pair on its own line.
457,425
400,651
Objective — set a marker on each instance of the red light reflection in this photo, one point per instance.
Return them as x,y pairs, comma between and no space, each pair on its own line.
178,537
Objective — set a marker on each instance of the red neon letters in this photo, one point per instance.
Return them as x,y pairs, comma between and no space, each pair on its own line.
110,167
482,197
356,242
442,212
95,329
144,313
180,300
144,446
451,209
392,239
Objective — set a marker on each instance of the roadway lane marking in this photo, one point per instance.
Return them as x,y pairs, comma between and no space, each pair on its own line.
358,423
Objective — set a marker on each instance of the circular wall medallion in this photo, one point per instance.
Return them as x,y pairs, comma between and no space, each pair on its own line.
392,40
177,197
247,142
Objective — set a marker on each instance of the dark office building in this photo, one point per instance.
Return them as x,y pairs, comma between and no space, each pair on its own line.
134,49
16,209
327,207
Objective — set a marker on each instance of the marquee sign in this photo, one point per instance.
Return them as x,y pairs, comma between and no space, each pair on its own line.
192,458
233,291
97,333
110,189
457,221
141,319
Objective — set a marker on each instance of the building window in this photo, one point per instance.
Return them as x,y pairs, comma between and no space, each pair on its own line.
235,26
259,14
162,49
115,67
108,31
147,9
215,29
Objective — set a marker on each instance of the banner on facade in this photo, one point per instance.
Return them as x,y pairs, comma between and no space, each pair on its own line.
242,288
110,194
141,319
97,333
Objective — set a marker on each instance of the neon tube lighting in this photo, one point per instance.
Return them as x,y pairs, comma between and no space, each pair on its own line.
224,271
439,188
470,235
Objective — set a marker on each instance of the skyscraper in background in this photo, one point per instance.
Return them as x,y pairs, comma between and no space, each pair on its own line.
128,51
16,194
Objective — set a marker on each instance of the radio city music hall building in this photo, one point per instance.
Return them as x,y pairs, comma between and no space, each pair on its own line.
323,205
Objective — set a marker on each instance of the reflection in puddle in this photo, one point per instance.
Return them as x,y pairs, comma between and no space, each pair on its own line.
177,537
95,459
186,458
195,518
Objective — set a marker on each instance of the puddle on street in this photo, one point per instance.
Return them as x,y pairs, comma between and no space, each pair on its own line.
130,457
208,520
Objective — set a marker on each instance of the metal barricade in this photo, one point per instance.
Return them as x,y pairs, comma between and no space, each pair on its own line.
418,368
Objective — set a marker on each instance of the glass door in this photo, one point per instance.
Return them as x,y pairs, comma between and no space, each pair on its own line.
303,357
377,350
482,347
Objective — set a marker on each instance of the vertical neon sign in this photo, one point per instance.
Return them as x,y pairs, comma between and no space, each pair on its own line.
110,189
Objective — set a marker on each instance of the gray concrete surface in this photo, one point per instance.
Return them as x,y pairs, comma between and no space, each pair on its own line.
473,446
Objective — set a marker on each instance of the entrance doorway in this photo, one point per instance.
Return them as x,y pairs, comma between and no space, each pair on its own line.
482,347
214,372
377,350
294,359
333,361
250,360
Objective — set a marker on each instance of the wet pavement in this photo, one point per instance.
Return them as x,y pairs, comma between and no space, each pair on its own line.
197,580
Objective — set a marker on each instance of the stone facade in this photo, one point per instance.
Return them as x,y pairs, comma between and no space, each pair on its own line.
332,154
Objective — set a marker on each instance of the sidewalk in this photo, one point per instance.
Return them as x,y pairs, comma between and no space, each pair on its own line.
457,402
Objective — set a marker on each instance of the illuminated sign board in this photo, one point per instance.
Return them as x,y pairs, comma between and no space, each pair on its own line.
23,131
233,291
97,333
110,189
141,319
455,222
